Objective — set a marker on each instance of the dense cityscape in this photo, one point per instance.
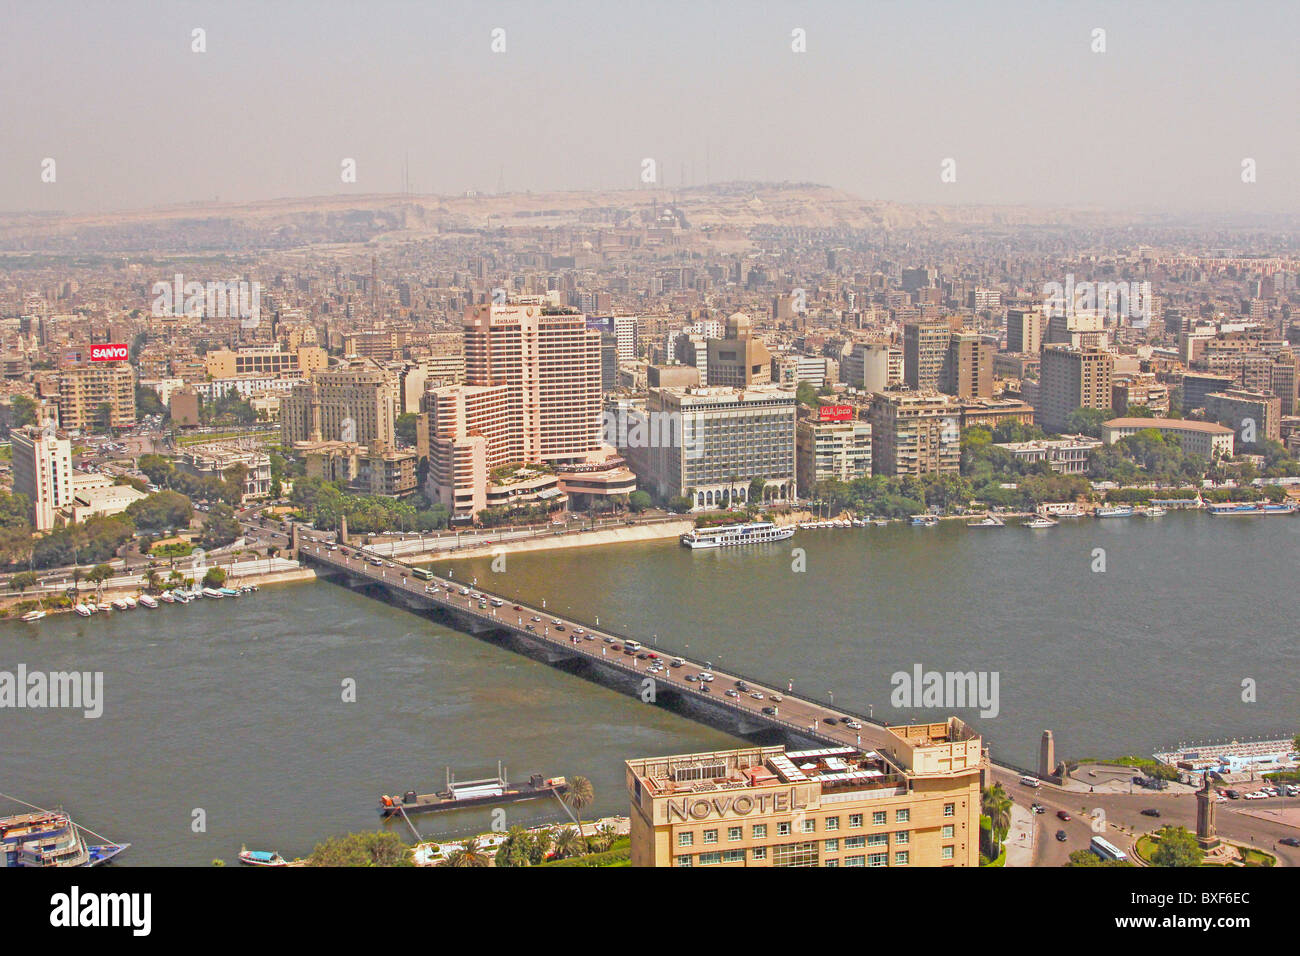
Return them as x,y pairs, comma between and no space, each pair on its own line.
925,522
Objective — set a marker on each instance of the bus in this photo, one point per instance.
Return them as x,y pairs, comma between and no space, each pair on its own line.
424,574
632,645
1107,850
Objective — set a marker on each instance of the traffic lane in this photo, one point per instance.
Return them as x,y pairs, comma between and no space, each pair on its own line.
1175,810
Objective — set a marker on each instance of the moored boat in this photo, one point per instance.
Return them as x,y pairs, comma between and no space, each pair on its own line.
261,857
31,616
82,610
472,793
212,593
148,601
1040,521
49,838
1251,509
1122,511
731,535
988,521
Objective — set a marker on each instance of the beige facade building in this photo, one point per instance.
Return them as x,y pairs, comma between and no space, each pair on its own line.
1072,378
88,392
740,359
826,451
914,803
914,433
42,470
356,403
259,361
1206,439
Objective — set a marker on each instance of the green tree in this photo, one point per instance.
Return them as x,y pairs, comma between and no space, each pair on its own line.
161,510
97,576
639,501
1087,421
405,427
220,527
568,843
23,580
579,796
1178,847
214,577
469,854
22,411
362,849
997,807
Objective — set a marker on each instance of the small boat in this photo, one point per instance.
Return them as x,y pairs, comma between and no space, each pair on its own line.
120,604
924,521
103,606
148,602
33,616
1155,511
167,597
1039,521
130,601
1068,513
988,521
261,857
881,522
82,610
229,592
212,593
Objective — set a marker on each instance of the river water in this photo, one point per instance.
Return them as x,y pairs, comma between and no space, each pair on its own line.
235,708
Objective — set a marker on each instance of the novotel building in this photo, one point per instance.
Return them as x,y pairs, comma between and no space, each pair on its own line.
915,802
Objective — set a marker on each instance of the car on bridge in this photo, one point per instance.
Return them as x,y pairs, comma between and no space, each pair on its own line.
770,711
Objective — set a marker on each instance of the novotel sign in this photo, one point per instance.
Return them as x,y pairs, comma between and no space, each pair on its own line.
701,808
108,353
836,413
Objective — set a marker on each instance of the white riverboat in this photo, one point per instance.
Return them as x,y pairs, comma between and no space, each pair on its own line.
730,535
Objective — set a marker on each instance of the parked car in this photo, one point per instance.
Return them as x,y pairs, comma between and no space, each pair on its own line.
1150,812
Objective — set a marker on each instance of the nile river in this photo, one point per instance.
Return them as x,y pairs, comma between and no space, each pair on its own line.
235,707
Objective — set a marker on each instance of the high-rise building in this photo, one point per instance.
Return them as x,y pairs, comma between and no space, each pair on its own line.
1072,378
627,334
1025,330
92,396
968,366
1247,413
913,802
739,360
914,433
356,403
42,470
532,394
925,350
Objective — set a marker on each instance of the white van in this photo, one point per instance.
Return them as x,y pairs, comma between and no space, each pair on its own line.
1030,782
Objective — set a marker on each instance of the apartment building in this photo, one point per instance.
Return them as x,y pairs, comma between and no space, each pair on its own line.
98,394
831,450
925,352
914,433
1247,413
915,802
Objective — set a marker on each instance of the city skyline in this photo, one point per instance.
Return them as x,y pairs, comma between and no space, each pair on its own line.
135,118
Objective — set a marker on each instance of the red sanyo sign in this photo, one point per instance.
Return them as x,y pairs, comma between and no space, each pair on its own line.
836,413
108,353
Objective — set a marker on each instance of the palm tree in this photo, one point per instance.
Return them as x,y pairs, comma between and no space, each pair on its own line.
603,838
77,575
579,796
471,854
568,842
153,580
997,807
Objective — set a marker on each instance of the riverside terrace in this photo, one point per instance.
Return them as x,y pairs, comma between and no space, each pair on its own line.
604,656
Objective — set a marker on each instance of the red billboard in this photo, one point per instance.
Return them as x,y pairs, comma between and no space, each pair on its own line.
835,413
108,353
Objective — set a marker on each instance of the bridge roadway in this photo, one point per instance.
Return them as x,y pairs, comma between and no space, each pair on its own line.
797,715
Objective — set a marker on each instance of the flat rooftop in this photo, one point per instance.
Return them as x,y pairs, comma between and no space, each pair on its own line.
837,768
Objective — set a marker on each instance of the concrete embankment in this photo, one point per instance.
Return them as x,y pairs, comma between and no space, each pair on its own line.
569,539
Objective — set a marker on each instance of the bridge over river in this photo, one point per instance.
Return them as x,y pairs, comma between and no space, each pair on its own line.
602,655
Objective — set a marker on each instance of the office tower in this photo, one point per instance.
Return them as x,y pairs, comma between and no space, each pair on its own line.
95,395
42,470
914,433
608,362
714,441
1025,330
356,403
1072,378
968,366
268,362
1197,385
913,803
740,359
1284,381
925,349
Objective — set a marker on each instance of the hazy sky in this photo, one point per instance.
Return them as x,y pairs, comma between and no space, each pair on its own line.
585,91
